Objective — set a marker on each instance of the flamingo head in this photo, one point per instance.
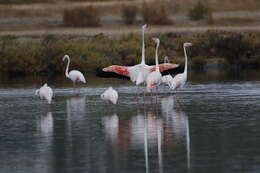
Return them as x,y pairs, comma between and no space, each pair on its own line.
144,26
166,59
65,57
187,44
156,40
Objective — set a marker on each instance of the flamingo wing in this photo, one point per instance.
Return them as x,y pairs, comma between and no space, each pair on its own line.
118,69
164,67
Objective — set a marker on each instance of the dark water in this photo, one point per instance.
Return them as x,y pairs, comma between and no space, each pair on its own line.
212,125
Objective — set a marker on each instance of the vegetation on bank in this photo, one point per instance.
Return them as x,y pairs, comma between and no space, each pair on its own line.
92,53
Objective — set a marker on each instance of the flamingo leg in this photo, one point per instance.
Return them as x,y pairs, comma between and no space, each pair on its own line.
151,95
177,96
144,93
157,91
136,94
74,86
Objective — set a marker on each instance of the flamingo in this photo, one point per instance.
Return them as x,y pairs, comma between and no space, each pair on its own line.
139,72
45,92
166,79
180,79
154,78
74,75
110,94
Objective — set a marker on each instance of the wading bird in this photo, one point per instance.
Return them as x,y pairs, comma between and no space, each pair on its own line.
154,78
74,75
110,95
180,79
166,80
139,72
45,92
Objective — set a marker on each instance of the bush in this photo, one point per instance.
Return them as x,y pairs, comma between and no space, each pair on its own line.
92,53
129,14
82,16
155,13
198,11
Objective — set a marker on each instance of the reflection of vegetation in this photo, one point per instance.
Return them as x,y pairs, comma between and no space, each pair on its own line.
92,53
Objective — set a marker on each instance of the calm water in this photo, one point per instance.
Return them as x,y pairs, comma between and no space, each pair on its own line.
212,125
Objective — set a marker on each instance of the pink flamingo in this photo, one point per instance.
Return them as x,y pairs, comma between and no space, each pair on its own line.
138,73
154,78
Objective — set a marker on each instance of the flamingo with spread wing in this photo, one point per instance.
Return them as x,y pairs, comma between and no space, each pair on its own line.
138,73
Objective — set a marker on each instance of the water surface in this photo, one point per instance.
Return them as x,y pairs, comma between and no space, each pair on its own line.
211,125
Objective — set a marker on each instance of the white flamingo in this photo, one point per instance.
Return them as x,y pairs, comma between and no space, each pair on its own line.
74,75
154,78
180,79
166,79
45,92
110,94
139,72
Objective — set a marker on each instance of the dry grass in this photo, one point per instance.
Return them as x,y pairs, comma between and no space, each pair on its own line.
219,5
80,17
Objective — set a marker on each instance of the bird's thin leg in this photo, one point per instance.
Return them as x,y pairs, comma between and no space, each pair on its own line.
151,95
74,86
144,92
157,91
79,89
177,96
136,94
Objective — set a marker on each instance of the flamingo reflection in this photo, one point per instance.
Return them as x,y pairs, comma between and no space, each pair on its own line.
149,130
179,122
46,124
111,127
76,105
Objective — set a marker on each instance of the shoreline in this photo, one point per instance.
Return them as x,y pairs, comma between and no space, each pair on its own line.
123,30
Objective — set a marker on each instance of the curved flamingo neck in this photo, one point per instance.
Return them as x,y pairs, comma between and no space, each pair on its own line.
67,68
156,57
143,48
186,61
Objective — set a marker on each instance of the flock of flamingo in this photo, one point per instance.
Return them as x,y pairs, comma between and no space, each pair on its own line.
139,74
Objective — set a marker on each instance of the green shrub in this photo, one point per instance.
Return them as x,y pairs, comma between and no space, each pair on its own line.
92,53
81,17
198,11
129,13
154,13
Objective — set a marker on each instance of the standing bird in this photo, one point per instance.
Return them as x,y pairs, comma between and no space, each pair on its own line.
74,75
110,94
180,79
166,79
45,92
139,72
154,78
